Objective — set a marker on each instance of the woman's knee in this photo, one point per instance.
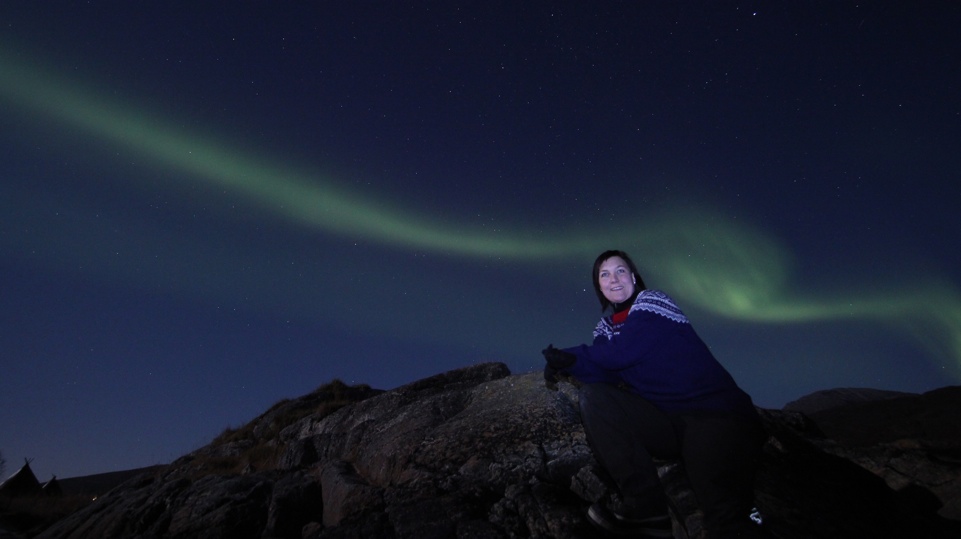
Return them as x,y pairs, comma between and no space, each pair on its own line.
615,403
587,391
592,398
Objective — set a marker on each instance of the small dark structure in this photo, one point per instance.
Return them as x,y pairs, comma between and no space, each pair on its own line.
20,483
52,488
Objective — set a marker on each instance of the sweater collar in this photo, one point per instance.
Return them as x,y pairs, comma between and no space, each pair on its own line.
621,310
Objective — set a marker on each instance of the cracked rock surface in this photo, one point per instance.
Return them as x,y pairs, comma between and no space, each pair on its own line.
474,453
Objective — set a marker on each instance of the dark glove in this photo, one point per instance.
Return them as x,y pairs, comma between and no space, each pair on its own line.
558,359
550,377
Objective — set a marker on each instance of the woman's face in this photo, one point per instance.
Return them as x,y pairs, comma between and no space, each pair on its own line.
615,280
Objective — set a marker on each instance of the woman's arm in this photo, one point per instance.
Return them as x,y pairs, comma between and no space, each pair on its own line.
640,334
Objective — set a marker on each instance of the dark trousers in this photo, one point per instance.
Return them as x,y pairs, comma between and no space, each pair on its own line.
719,451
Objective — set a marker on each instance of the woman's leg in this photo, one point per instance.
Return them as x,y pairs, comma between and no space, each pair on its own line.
624,432
721,453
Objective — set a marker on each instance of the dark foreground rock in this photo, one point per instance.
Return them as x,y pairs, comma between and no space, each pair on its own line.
473,453
911,441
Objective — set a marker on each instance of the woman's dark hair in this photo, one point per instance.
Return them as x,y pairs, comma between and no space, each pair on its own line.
638,282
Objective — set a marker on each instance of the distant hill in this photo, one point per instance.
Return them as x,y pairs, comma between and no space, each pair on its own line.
99,484
931,420
832,398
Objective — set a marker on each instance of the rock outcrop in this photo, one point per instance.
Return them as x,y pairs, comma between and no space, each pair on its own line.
911,441
472,453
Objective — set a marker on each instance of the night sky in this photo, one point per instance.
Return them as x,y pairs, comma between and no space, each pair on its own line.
207,207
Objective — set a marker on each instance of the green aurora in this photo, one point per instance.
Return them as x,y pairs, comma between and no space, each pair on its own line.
733,270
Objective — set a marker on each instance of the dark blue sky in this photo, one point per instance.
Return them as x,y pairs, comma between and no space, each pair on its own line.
207,209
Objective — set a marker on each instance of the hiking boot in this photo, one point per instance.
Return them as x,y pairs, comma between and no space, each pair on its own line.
620,524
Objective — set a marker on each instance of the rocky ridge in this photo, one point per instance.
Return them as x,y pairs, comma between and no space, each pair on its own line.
481,453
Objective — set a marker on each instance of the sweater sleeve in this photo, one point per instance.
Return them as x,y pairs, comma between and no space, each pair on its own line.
591,373
638,336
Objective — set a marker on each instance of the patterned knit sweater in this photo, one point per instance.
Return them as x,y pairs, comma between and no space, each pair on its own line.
652,349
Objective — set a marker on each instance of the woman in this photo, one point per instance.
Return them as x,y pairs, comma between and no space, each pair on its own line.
650,388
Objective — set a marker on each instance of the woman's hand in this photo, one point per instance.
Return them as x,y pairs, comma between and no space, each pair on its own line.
558,359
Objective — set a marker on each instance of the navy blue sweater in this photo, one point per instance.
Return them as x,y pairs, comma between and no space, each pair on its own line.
653,350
